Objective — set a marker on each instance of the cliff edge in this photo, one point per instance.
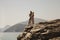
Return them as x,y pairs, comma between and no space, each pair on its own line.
49,30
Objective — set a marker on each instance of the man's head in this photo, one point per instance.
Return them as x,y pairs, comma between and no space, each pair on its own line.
31,12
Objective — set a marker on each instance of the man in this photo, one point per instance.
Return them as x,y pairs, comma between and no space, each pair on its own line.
31,19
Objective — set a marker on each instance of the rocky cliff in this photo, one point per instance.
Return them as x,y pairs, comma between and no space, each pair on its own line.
49,30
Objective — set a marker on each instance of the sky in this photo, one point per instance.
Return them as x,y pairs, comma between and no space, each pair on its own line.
15,11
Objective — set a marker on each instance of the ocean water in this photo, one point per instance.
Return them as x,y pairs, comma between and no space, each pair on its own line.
9,35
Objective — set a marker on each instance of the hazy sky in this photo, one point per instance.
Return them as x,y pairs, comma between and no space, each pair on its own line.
15,11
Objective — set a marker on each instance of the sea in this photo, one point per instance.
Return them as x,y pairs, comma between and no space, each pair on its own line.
9,35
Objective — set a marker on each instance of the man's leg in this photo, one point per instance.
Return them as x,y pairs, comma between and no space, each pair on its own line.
29,23
32,20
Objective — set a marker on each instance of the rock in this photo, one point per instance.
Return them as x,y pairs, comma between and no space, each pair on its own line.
49,30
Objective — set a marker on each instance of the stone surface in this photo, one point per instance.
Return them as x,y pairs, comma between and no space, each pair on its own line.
49,30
